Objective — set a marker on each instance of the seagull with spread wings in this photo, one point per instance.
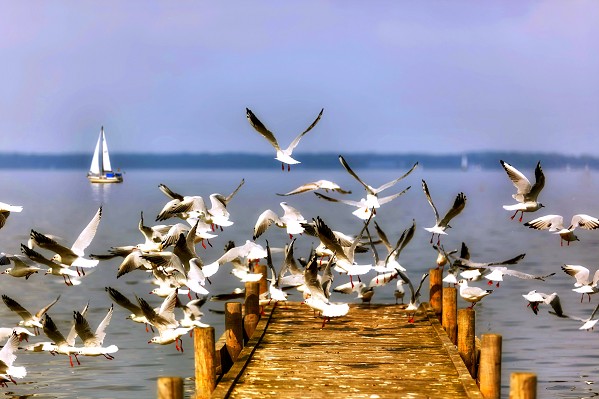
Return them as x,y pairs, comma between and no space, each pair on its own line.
283,155
527,193
442,224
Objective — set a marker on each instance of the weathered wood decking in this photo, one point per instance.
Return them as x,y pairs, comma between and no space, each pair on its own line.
373,352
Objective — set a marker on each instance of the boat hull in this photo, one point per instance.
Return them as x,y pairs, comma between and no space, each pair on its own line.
114,178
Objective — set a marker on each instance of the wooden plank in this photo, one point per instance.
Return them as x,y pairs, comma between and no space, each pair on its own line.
372,352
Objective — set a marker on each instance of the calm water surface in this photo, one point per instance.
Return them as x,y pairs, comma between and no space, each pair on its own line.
63,202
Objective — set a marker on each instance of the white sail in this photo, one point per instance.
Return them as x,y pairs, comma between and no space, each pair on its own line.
95,165
106,167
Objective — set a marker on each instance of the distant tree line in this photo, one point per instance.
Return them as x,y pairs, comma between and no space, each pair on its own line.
124,161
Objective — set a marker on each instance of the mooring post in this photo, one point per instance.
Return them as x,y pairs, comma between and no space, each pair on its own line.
466,338
263,269
233,329
450,313
436,290
251,307
169,388
205,361
523,385
490,366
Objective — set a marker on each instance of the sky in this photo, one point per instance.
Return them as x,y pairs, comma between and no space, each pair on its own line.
392,76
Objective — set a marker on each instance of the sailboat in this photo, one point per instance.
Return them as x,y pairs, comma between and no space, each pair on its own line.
100,170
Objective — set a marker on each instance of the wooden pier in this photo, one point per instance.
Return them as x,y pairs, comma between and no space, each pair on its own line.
373,352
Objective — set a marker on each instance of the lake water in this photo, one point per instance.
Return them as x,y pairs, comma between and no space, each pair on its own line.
63,202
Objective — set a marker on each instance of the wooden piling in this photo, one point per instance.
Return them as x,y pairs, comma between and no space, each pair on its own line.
169,388
436,290
205,363
450,313
490,366
252,308
466,338
523,385
233,329
259,268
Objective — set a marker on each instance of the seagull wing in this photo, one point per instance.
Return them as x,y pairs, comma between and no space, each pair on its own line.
369,189
296,141
87,235
584,222
548,222
430,200
264,221
170,193
539,184
17,308
260,128
520,181
393,182
457,207
43,310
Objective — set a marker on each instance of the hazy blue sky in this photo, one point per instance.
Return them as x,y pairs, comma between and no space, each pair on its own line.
392,76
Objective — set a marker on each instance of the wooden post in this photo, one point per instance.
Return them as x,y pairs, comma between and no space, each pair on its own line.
233,329
466,339
450,313
263,282
490,366
169,388
205,363
252,308
523,385
436,290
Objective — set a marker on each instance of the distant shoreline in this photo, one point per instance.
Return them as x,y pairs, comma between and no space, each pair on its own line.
469,160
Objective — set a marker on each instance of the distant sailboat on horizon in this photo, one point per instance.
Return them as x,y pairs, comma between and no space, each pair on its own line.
464,162
100,170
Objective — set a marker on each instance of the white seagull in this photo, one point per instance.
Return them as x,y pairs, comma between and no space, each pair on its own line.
442,224
584,284
527,193
8,372
555,224
535,298
23,265
73,256
414,293
472,294
283,155
93,340
28,319
325,185
291,220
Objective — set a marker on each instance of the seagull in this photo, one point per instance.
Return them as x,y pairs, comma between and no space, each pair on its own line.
137,315
442,224
23,266
283,155
472,294
5,210
29,320
535,298
373,192
414,294
180,205
527,194
325,185
55,269
316,295
291,220
60,345
192,313
22,333
93,340
73,256
249,251
497,272
275,288
366,206
555,224
399,291
8,372
344,256
164,320
583,284
588,323
390,262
